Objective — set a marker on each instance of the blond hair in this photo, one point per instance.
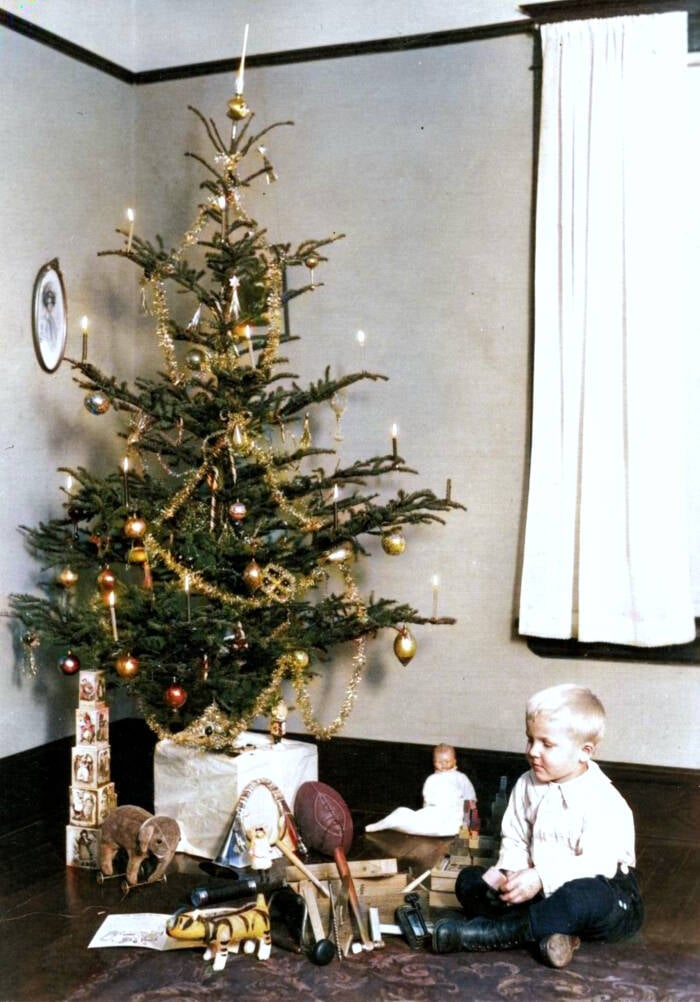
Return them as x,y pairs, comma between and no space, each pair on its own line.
580,710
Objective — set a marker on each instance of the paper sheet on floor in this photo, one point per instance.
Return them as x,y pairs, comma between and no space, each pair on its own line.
145,929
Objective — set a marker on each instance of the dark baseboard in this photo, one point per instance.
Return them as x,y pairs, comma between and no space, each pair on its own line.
372,776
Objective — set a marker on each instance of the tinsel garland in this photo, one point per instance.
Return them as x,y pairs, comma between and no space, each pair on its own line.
325,731
214,730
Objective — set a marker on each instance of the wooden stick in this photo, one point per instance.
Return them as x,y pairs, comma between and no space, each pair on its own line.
309,895
293,858
414,883
344,871
364,868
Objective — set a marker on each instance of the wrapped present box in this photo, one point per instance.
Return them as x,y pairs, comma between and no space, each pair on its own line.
200,789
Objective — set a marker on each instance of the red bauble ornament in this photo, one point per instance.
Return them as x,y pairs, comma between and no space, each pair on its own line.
175,696
69,663
106,580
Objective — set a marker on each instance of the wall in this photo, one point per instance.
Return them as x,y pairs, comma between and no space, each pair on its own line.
67,178
424,160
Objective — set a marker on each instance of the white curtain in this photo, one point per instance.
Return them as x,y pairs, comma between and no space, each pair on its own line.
606,542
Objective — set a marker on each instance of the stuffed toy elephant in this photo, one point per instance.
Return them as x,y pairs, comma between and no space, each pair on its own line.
141,834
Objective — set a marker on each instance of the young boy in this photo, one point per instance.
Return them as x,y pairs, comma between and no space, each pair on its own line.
565,868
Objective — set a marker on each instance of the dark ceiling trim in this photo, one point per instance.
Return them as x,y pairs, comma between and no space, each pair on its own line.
342,51
44,37
539,12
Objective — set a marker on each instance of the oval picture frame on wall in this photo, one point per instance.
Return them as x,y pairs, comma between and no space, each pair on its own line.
49,316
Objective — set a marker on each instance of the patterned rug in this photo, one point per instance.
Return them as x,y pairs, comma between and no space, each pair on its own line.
626,972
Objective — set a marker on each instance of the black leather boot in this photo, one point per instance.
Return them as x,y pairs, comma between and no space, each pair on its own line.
481,934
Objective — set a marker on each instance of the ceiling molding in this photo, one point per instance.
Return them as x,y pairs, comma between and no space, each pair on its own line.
59,44
344,50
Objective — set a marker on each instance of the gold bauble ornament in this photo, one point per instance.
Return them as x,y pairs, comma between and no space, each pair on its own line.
138,555
195,358
127,666
404,645
67,577
237,108
312,261
135,526
394,542
301,659
340,554
252,575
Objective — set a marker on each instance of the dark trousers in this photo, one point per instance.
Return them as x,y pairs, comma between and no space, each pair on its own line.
596,908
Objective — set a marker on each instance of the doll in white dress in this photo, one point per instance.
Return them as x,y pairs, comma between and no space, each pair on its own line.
446,794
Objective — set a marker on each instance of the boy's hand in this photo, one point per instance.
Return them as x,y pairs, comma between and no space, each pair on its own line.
520,886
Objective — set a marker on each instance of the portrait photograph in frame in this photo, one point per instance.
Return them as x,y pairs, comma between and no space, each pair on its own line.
49,316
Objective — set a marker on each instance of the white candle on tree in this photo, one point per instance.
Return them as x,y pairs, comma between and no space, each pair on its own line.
84,329
113,615
130,216
241,68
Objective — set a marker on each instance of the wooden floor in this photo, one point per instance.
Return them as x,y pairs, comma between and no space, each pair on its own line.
669,874
48,912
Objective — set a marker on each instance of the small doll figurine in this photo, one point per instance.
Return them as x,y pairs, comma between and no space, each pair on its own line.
259,848
278,721
447,793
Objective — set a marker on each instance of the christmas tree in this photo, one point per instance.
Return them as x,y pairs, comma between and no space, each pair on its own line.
219,562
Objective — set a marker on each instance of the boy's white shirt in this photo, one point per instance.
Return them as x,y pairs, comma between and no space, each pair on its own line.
580,828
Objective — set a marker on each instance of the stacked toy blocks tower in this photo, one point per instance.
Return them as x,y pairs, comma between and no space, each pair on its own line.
92,795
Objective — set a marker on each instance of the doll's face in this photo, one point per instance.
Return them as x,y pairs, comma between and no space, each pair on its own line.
444,759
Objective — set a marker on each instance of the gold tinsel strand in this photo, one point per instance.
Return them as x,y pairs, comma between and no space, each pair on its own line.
215,731
30,641
165,340
359,660
321,731
268,594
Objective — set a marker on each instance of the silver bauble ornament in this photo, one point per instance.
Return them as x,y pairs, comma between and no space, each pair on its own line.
97,402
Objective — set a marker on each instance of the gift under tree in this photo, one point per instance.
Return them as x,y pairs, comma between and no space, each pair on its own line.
218,563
